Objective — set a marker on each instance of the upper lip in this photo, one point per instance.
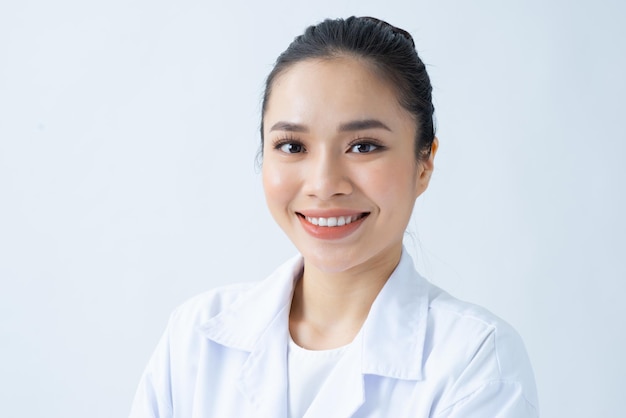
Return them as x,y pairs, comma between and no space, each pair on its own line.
330,213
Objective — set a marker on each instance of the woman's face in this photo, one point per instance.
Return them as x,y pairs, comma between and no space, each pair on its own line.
339,168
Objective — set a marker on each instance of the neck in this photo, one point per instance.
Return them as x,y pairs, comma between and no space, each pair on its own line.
329,308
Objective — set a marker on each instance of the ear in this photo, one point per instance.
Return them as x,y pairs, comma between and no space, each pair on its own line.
426,168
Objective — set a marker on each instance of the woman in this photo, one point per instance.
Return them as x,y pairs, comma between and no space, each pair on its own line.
348,328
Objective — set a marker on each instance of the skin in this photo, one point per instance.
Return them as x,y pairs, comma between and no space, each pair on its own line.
321,159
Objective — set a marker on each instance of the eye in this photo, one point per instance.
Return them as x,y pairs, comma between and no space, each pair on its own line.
363,147
290,147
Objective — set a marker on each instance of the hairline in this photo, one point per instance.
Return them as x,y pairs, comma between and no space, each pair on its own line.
377,69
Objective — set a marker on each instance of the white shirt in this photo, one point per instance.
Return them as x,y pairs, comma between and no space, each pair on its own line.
420,353
308,370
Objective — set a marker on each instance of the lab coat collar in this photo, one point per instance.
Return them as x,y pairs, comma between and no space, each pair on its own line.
394,332
392,336
242,324
258,322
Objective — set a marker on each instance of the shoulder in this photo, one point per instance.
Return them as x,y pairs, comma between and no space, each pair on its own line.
475,329
489,352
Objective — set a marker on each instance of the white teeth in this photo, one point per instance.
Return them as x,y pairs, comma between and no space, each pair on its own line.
333,221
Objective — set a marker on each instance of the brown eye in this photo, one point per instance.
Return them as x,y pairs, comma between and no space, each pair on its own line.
291,148
363,148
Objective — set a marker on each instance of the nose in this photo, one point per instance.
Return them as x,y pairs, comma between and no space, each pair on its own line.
327,176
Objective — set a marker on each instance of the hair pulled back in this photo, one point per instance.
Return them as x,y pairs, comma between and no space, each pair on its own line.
390,51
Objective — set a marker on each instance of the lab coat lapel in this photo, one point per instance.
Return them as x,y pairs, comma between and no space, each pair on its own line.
263,379
343,392
258,323
394,333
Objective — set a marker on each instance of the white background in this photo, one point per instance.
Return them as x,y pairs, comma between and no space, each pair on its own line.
128,136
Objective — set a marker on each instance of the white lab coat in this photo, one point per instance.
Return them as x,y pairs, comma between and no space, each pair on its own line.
420,353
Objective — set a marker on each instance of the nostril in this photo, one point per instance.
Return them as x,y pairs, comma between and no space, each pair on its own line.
327,184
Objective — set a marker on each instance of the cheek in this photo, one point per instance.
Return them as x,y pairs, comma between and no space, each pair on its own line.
392,184
278,185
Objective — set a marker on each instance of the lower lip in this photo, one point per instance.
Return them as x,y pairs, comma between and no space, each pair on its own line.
330,232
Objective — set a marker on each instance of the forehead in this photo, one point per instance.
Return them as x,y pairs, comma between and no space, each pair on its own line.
332,91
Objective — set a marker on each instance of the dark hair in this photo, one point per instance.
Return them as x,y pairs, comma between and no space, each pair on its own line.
390,51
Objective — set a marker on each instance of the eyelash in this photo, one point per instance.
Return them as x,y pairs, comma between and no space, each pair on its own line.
362,141
279,143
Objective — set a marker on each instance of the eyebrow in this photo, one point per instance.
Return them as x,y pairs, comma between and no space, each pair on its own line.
361,125
357,125
289,127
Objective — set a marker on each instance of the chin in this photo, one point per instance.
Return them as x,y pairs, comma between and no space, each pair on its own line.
333,260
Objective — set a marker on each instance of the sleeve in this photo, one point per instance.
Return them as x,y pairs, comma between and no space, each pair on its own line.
153,398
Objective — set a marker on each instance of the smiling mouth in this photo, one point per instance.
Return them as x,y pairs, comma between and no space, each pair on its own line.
333,221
